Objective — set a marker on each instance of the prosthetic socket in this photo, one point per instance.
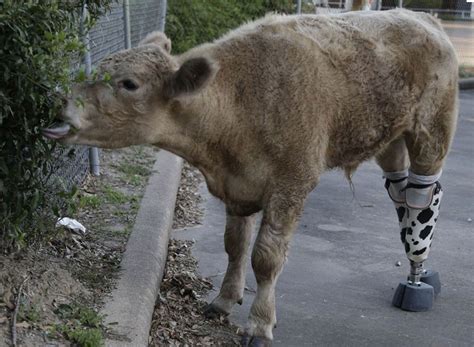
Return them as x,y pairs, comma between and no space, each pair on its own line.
417,199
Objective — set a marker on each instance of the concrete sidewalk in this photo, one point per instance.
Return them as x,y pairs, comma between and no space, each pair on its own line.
337,286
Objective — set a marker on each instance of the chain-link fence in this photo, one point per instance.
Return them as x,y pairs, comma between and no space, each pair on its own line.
325,6
336,6
106,37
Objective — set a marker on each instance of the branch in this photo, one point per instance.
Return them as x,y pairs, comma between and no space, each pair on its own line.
15,312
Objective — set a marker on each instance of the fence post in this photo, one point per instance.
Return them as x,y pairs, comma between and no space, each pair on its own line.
94,162
162,17
126,24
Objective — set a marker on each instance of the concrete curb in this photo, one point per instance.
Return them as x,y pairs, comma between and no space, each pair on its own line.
129,311
466,83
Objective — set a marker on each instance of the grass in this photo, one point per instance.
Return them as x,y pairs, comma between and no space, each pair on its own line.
109,195
133,174
29,313
115,196
86,337
83,325
90,201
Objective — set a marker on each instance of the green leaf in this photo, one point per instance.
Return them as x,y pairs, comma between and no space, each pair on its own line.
81,76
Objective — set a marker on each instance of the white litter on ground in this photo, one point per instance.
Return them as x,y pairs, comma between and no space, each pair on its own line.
72,225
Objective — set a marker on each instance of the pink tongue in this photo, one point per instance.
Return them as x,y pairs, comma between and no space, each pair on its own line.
57,131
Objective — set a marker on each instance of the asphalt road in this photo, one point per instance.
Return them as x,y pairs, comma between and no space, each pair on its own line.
337,286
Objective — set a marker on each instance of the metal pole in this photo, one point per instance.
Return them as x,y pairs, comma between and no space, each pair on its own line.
348,5
126,24
162,18
379,5
298,7
94,161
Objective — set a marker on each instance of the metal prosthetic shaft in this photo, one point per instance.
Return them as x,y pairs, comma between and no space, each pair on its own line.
416,271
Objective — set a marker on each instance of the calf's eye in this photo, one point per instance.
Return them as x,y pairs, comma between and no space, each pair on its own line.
128,85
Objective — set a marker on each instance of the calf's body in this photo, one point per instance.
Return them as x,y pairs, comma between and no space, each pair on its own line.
294,96
266,109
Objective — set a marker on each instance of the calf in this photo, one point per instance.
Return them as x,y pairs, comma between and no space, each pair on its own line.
263,111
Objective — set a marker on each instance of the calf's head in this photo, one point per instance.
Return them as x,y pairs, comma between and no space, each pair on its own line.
129,101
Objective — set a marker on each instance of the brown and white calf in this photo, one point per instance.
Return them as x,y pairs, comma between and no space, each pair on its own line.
265,110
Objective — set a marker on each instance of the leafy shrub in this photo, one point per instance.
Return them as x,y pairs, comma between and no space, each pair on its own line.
39,39
422,3
191,22
466,71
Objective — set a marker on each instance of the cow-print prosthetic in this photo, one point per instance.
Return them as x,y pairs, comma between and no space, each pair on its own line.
417,221
421,223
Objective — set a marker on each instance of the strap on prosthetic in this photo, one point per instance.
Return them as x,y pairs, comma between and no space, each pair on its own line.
420,190
395,183
420,196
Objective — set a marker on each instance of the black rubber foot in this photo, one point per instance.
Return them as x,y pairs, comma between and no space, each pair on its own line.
412,297
432,278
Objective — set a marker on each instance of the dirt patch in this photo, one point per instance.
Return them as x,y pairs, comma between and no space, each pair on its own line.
178,318
68,274
47,286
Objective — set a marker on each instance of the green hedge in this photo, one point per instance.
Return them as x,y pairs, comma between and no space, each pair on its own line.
38,41
422,3
191,22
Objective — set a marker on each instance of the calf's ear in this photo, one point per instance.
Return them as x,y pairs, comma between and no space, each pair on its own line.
157,38
192,76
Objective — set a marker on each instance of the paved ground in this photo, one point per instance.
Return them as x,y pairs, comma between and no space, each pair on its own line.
337,286
461,34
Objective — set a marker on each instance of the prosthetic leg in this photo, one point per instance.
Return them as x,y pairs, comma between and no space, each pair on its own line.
417,199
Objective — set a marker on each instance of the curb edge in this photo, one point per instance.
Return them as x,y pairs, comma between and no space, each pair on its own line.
129,309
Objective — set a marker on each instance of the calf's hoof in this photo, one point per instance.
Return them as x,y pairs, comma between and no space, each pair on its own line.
255,341
414,297
213,311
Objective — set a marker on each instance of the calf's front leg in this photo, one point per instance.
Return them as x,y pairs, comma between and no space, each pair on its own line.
238,232
268,256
